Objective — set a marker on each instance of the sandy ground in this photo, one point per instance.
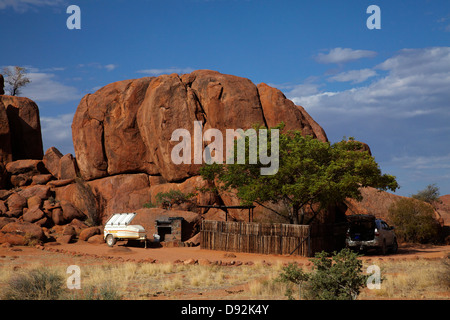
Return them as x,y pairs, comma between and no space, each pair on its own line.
124,252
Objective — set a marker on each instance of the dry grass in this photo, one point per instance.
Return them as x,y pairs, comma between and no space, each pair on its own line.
412,279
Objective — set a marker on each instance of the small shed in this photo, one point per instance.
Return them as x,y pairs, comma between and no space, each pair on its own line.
169,228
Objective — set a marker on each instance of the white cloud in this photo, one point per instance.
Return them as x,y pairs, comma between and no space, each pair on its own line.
354,76
417,83
44,87
57,132
423,162
157,72
110,67
22,6
343,55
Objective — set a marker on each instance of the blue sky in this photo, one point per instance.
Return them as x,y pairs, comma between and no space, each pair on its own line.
389,88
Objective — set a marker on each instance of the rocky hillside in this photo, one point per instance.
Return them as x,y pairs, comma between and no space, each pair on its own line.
121,136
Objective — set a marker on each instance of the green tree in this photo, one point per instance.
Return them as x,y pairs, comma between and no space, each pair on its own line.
310,172
414,221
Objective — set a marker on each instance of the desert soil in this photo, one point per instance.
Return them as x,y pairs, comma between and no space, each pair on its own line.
83,253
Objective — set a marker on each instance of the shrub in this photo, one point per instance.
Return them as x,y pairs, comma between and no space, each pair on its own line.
430,194
149,205
104,291
338,278
294,274
414,221
37,284
167,199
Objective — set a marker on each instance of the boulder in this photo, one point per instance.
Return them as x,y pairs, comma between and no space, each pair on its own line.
41,178
32,167
16,202
65,238
3,207
189,261
127,126
69,230
204,262
60,183
4,221
25,127
277,108
57,216
43,192
20,180
33,214
89,232
67,167
4,194
5,136
12,239
34,201
24,228
105,133
69,212
96,239
120,193
51,160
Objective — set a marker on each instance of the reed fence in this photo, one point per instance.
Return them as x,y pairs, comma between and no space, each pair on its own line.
262,238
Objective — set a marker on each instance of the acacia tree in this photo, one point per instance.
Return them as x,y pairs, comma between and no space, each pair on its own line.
430,194
310,172
16,78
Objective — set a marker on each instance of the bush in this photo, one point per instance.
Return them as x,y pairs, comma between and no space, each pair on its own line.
430,194
173,197
414,221
293,274
104,291
37,284
338,278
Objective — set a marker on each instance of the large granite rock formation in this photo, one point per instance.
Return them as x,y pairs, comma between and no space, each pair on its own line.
20,129
127,126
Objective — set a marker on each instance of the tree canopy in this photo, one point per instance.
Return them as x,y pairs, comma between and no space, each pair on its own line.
310,172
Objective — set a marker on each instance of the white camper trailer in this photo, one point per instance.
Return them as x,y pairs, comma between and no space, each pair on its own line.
118,228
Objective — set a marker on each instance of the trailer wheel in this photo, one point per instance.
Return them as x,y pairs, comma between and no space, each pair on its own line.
110,240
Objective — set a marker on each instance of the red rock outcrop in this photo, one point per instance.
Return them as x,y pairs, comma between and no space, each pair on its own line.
105,134
25,127
127,126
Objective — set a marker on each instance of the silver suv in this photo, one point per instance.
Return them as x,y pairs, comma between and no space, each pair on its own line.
365,232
